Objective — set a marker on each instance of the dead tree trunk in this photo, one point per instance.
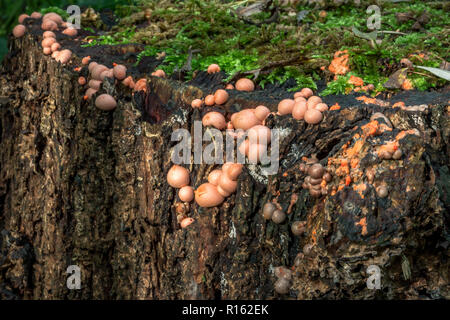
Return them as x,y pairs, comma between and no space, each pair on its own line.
80,186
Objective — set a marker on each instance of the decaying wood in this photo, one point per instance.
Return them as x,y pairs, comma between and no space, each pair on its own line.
79,186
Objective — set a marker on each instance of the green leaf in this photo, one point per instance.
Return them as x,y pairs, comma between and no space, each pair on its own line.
443,74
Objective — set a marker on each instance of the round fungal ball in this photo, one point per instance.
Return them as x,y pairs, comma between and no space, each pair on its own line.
313,101
55,47
245,84
120,72
307,249
128,81
306,92
397,154
49,34
105,102
229,87
86,60
213,68
322,107
327,177
278,216
285,106
382,191
92,66
71,32
55,54
94,84
196,103
159,73
215,119
186,222
97,71
89,93
19,30
186,194
220,96
47,50
259,134
234,171
282,286
298,99
209,100
268,210
214,176
64,56
316,171
283,273
227,184
298,94
313,116
54,17
49,25
109,73
36,15
47,42
207,196
245,119
22,17
141,85
298,227
261,112
299,110
81,81
178,177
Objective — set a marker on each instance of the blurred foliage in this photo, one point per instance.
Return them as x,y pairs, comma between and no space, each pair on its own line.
11,9
217,35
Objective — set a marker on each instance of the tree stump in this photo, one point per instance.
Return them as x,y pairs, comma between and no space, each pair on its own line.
81,186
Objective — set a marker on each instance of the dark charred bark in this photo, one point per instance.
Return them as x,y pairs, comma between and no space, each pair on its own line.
80,186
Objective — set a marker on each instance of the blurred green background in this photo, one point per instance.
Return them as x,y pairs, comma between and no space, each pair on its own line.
11,9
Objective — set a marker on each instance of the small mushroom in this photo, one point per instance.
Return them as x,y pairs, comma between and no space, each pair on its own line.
278,216
186,194
105,102
298,227
268,210
299,110
213,68
382,191
313,116
207,196
261,112
220,96
215,119
214,176
306,92
196,103
397,154
209,100
316,171
178,176
245,84
285,106
19,30
282,286
120,72
186,222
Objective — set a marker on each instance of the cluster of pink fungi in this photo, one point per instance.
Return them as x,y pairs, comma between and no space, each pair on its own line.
222,182
51,23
